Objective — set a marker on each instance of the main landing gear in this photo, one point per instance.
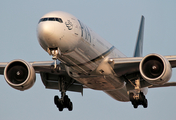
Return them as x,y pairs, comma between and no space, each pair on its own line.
63,102
137,97
137,100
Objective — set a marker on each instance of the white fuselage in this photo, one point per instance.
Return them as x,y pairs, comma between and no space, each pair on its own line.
84,53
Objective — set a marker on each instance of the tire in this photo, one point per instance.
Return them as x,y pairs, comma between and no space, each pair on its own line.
65,98
70,107
66,101
56,98
145,104
141,97
135,106
60,107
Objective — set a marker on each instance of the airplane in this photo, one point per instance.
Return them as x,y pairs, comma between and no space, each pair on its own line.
82,59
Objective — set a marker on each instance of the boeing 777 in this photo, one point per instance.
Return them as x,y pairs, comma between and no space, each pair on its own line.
82,59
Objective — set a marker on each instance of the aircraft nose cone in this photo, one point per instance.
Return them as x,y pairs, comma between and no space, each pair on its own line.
45,31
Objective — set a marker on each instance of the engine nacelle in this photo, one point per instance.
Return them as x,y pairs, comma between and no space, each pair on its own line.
20,74
155,69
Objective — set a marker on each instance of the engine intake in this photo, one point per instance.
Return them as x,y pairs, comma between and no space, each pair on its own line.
155,69
20,74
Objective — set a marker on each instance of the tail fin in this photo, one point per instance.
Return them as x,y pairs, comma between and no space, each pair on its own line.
139,42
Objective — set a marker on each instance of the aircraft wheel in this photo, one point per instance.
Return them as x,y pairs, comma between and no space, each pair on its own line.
145,104
70,107
60,107
66,101
56,98
135,105
141,97
66,98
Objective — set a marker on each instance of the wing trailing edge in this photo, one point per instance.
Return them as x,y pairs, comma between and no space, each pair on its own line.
169,84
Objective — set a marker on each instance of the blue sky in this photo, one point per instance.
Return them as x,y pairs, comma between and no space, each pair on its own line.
115,20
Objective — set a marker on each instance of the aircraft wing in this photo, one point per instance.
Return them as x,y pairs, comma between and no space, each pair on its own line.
169,84
50,77
43,66
172,60
39,66
2,66
130,65
123,66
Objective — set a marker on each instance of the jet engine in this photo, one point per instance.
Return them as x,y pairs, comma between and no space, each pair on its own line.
20,74
155,69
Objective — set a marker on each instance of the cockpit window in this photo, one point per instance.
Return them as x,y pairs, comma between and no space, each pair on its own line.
51,19
59,20
44,19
